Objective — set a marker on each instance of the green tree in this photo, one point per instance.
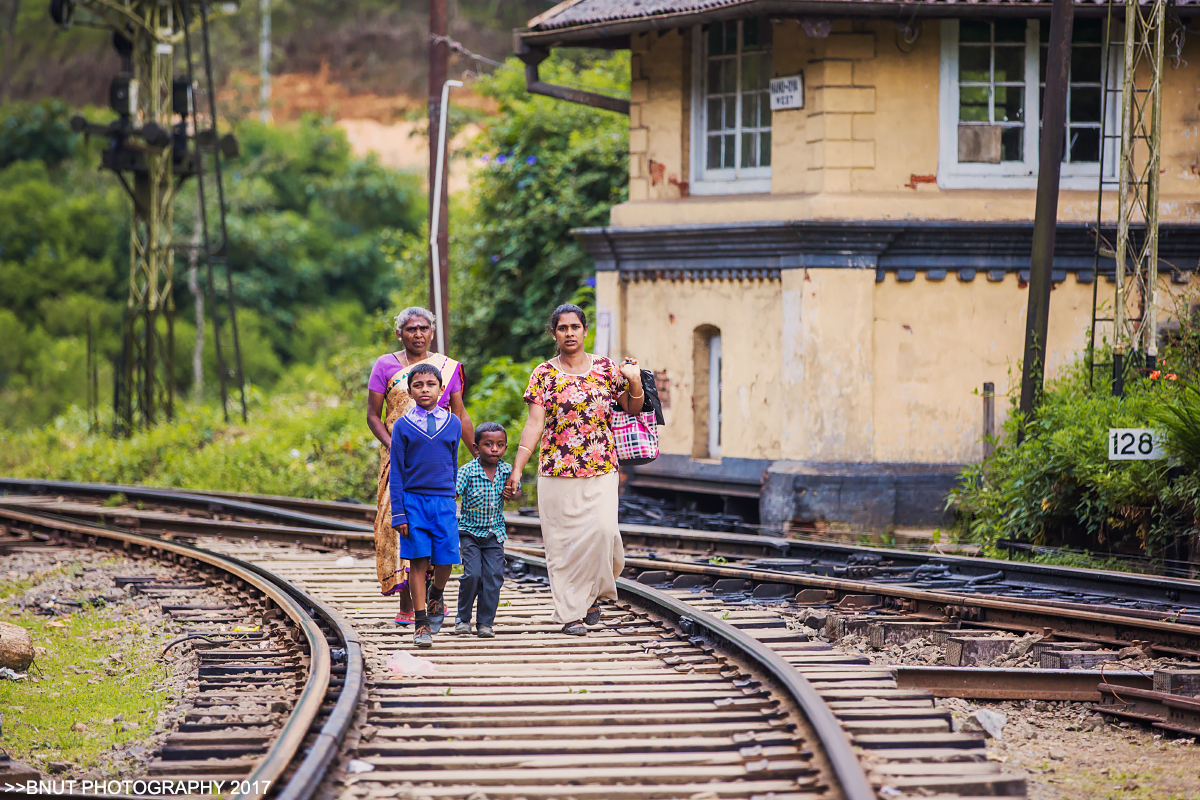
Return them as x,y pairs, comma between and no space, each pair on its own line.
547,166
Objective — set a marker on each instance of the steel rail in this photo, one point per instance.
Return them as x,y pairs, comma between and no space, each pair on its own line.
936,599
832,736
182,497
1131,585
291,737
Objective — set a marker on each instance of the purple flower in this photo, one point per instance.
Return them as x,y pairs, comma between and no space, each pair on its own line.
531,160
495,259
485,158
592,281
501,159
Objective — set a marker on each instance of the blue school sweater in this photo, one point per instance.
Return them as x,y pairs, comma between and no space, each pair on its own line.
422,464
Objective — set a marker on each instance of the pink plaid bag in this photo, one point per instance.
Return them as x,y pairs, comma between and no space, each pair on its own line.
637,437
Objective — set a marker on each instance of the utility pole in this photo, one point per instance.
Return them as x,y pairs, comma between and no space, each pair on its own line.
439,263
264,65
1045,221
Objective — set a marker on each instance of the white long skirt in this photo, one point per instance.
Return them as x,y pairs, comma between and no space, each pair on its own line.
583,544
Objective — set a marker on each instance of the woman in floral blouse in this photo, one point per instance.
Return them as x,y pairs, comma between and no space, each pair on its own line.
570,400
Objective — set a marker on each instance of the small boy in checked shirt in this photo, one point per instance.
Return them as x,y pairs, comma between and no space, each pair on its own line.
481,530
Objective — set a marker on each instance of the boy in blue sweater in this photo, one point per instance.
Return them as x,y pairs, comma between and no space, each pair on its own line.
424,467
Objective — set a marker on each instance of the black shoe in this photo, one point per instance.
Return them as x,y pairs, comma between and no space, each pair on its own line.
593,616
576,628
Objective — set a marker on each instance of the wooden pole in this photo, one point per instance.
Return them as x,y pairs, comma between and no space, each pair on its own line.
439,59
1041,262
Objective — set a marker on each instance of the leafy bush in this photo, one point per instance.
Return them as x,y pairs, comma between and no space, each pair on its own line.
1058,487
301,445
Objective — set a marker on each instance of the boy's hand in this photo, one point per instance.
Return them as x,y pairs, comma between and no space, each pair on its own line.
402,530
512,488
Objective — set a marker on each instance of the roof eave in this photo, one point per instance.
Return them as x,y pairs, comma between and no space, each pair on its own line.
614,34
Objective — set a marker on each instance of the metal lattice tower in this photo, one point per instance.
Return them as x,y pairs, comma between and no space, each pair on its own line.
1136,327
149,151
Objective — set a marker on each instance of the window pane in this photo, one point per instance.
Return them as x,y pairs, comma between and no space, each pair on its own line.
1010,30
728,76
1086,30
1010,104
974,31
1083,145
727,160
973,104
729,34
714,152
715,69
1085,104
749,150
1011,147
764,112
1085,64
715,38
974,64
764,146
749,110
729,120
750,34
716,122
750,73
1010,65
1043,54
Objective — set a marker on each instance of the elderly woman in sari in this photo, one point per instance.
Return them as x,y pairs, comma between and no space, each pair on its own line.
387,401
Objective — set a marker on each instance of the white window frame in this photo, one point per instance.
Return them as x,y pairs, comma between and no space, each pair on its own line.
738,180
1016,174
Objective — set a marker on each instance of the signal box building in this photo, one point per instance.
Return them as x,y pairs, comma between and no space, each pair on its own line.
824,288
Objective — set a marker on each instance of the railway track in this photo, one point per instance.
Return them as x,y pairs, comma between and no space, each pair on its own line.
537,714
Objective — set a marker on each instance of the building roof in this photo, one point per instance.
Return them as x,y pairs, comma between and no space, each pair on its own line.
611,22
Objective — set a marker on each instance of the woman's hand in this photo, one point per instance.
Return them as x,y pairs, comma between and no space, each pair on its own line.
512,487
632,371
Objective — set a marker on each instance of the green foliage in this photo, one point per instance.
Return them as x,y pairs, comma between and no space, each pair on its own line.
37,132
549,167
309,224
1179,420
1058,487
301,445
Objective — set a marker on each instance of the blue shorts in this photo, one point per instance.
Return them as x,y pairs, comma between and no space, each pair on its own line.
432,529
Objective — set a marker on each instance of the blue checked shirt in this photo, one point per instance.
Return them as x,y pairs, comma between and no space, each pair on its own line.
482,512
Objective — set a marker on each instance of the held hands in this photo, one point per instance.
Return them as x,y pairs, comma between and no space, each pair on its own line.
512,487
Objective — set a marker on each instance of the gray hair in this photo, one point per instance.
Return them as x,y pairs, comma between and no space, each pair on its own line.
413,311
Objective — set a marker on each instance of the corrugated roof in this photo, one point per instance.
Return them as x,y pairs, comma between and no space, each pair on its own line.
654,13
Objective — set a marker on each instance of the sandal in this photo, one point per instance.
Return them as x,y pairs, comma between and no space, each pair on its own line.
593,616
576,628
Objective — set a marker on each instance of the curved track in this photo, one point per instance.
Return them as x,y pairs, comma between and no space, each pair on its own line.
711,598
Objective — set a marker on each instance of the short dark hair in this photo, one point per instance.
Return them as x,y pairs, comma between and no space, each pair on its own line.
567,308
423,369
490,427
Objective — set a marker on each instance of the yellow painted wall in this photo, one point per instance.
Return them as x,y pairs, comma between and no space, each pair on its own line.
660,319
870,124
827,365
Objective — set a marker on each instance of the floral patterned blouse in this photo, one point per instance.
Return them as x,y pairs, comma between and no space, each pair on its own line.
578,440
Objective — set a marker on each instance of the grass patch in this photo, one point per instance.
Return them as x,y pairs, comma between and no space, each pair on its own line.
19,584
97,678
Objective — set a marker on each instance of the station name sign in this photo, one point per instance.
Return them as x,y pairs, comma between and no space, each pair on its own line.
787,92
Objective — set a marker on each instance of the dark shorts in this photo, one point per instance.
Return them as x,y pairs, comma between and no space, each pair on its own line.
432,529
